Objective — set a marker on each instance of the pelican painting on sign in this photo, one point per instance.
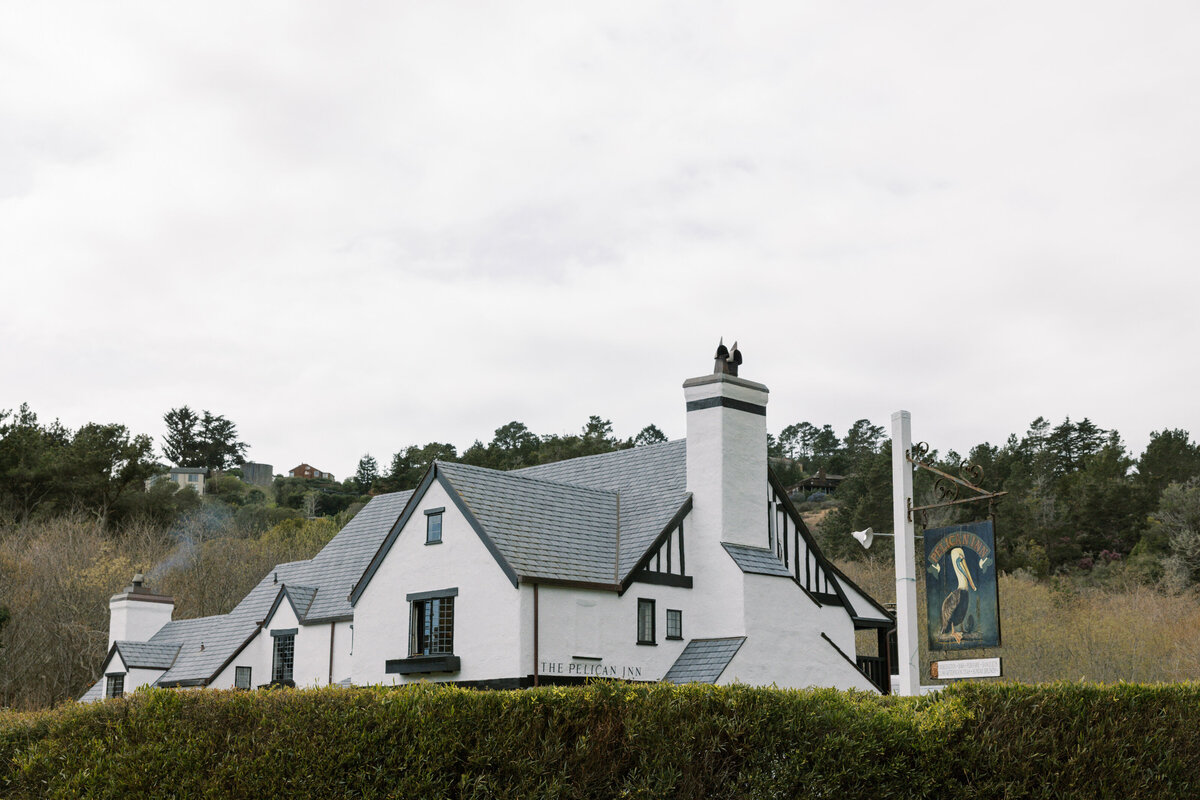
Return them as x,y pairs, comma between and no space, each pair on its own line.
960,587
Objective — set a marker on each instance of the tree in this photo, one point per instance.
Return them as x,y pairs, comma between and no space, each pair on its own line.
104,462
861,440
649,435
409,465
513,445
796,440
30,461
367,473
1178,522
825,446
1170,457
181,445
219,444
209,441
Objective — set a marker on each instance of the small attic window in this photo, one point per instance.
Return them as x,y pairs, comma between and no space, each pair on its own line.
115,685
433,525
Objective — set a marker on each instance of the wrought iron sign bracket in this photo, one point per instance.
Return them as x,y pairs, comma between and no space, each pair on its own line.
946,487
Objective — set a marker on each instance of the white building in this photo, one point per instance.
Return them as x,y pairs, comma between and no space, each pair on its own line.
682,561
184,476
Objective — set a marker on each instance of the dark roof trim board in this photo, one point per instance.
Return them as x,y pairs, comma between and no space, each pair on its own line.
128,663
658,542
790,507
211,677
841,653
390,539
431,475
527,580
471,518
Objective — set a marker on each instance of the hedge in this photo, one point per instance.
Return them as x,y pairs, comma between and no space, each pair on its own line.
612,740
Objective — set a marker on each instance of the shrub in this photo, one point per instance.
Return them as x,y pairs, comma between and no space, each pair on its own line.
609,740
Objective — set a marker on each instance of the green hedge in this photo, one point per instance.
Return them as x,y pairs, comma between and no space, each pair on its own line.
609,740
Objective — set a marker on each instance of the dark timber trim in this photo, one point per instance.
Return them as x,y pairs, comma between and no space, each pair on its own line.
285,632
822,560
848,660
675,522
529,580
727,402
386,545
420,665
451,592
470,517
432,474
661,578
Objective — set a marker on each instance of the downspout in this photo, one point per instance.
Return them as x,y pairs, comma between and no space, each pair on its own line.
332,627
535,635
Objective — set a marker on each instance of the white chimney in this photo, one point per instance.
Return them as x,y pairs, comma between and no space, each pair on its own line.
137,613
727,452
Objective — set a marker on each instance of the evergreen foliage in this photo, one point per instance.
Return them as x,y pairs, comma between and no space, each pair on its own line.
610,740
208,441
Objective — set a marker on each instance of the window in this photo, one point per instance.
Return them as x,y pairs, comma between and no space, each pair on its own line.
433,525
193,477
115,686
241,677
285,656
432,628
645,621
674,623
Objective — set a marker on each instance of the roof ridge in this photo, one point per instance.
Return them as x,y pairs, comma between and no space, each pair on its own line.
542,481
609,454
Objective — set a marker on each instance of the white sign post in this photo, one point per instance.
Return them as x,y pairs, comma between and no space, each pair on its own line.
965,668
905,541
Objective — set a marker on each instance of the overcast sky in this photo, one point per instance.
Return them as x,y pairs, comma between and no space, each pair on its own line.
351,227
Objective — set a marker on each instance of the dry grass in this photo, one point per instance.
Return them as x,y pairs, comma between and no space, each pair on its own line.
1058,631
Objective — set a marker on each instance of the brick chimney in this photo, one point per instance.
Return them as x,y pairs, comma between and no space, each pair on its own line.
727,452
136,613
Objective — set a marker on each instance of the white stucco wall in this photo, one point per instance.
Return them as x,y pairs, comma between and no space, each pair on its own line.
577,626
311,657
138,677
136,620
784,646
487,611
134,678
343,636
727,459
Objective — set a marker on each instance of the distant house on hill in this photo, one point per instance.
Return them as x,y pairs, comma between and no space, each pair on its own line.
682,561
817,483
184,476
309,471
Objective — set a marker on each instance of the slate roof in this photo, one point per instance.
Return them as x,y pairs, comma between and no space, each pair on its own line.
652,482
318,588
561,521
301,598
147,655
756,560
542,529
703,660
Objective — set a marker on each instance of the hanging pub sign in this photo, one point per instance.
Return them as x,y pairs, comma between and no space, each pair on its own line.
962,607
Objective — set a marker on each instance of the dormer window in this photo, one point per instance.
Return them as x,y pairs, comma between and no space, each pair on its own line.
115,685
433,525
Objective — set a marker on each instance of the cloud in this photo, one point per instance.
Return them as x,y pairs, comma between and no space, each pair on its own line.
353,228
